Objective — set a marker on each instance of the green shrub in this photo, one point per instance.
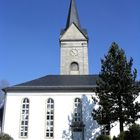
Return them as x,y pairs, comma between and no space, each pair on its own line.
5,137
103,137
133,133
115,138
122,136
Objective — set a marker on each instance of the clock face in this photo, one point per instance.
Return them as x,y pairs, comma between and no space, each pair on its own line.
74,52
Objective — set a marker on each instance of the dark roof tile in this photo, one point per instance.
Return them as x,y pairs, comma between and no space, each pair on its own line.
59,82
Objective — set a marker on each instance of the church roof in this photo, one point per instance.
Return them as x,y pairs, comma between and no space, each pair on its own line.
58,82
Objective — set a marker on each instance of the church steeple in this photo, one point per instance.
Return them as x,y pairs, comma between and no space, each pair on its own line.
73,15
73,45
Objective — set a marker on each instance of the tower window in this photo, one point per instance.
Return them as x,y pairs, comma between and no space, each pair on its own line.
50,118
74,66
77,110
24,118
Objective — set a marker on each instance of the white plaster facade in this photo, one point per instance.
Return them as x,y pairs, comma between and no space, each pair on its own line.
63,109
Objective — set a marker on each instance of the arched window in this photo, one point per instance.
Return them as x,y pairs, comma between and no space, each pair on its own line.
24,118
74,66
50,118
77,110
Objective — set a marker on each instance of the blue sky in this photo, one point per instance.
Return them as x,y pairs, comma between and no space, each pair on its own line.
29,34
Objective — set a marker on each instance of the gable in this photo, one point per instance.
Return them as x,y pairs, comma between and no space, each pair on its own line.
73,33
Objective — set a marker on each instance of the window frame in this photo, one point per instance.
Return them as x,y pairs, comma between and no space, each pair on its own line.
24,118
77,113
49,119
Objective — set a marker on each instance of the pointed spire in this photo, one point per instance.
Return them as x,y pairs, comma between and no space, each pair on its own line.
73,15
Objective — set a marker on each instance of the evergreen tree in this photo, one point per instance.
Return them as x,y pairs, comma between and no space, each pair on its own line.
116,90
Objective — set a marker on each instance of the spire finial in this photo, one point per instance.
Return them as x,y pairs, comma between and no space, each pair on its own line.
73,15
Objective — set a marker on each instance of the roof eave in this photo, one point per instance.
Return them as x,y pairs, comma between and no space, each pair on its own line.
49,88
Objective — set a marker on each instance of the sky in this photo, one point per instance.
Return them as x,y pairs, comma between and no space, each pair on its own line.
30,30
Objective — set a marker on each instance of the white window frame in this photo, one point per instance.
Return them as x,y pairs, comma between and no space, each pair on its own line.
77,110
24,121
49,130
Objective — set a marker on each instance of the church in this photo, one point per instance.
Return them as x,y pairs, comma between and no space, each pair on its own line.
56,107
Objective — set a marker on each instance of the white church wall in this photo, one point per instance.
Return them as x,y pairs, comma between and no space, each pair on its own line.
64,105
63,109
11,116
92,129
63,112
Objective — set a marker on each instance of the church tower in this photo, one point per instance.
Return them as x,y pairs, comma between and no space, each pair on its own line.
73,45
